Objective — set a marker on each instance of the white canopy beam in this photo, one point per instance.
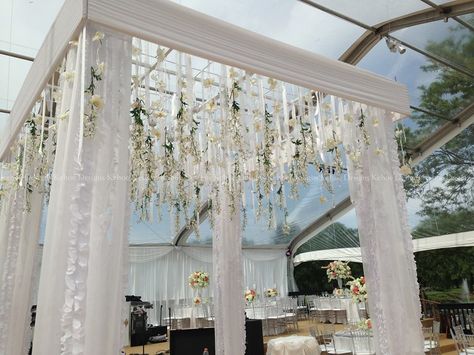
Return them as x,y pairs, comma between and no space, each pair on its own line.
455,240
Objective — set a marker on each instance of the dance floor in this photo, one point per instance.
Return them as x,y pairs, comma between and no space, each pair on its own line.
447,345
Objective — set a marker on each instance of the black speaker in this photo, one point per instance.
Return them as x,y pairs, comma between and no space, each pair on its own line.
138,333
254,337
193,341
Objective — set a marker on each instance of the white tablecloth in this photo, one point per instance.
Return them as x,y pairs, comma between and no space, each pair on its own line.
293,345
352,310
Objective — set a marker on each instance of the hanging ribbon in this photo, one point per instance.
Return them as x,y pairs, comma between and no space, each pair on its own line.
82,103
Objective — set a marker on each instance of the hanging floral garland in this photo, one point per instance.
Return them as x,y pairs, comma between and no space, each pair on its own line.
227,131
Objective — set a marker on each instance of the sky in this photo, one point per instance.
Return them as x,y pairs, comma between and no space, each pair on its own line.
24,24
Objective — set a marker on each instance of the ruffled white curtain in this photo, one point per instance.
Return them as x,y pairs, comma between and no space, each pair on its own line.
229,323
19,236
160,274
82,283
386,245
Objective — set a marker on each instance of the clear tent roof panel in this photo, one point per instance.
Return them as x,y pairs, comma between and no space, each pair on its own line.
430,36
12,75
372,12
287,21
24,24
343,233
313,202
405,68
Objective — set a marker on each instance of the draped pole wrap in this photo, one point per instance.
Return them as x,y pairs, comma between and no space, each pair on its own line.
386,244
19,240
229,304
82,283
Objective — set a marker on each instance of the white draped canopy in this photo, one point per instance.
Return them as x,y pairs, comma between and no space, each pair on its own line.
84,267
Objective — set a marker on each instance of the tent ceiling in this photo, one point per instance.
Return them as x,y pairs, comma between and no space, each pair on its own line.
351,32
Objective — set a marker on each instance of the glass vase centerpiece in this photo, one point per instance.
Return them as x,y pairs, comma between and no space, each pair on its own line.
198,280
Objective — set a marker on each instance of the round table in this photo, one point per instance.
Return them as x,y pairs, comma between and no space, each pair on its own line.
293,345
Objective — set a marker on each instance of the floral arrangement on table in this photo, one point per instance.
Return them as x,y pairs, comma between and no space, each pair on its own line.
199,279
338,270
197,300
358,290
271,292
250,295
365,324
338,292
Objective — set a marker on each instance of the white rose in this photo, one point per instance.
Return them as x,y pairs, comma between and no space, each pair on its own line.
100,68
69,75
96,101
98,36
405,169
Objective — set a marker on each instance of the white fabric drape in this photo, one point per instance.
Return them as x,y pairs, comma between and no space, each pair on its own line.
160,274
81,291
20,233
386,245
229,323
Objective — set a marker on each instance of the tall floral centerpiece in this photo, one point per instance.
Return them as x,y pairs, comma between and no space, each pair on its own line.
358,290
198,280
250,295
338,270
271,292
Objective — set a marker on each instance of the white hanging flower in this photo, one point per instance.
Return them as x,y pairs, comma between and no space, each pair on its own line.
257,126
354,156
331,143
135,80
96,101
99,36
160,114
233,74
208,82
378,151
63,115
74,43
405,169
68,75
136,51
211,106
100,68
375,122
277,107
156,133
272,83
322,199
136,104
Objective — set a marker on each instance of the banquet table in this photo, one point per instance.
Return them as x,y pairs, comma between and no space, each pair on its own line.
343,341
293,345
352,309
